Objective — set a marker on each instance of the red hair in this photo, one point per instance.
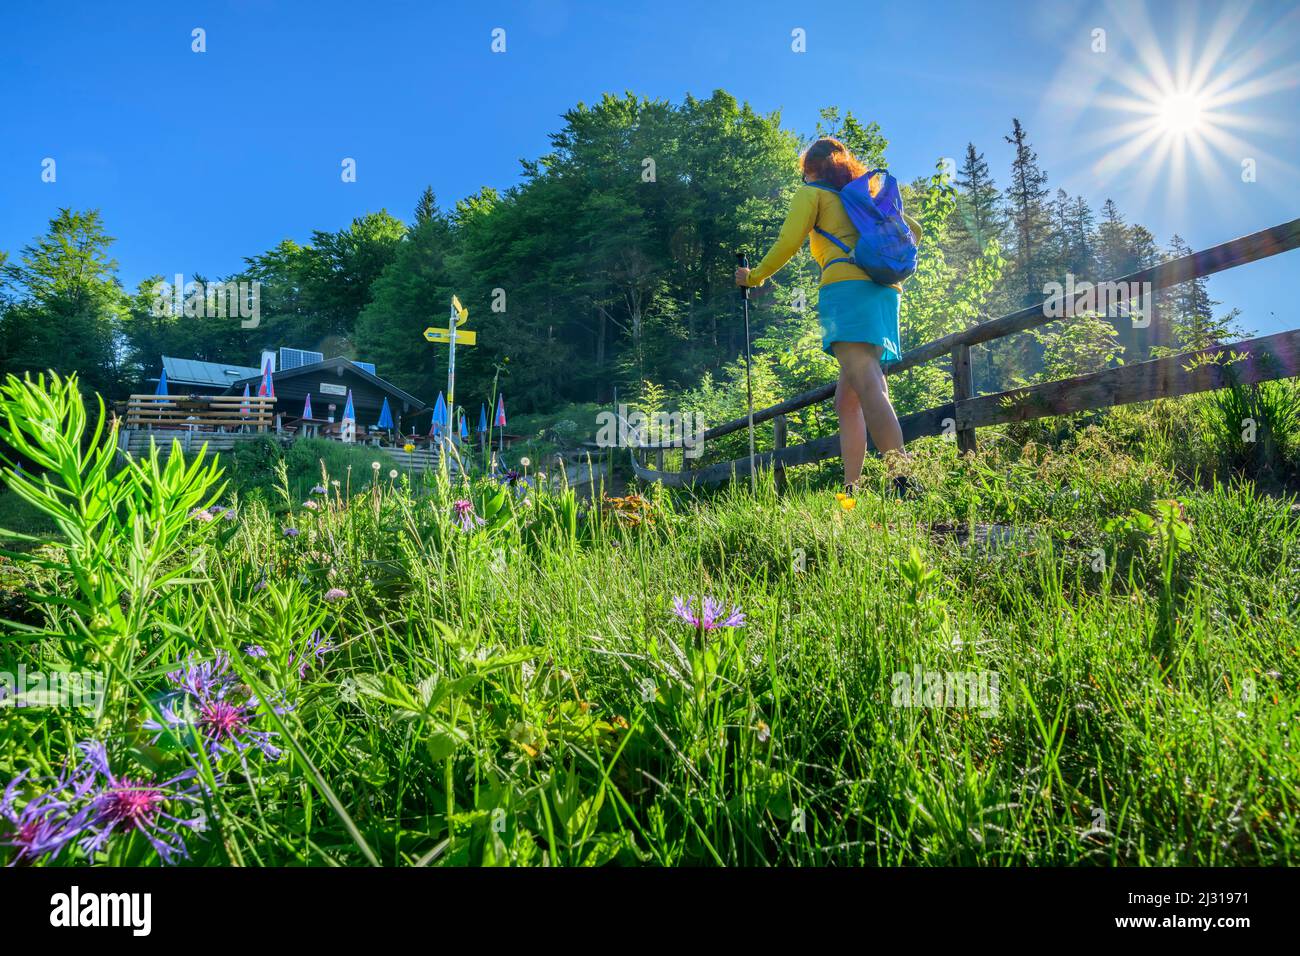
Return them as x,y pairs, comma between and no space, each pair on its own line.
829,161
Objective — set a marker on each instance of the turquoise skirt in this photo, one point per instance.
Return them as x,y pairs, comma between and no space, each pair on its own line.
860,311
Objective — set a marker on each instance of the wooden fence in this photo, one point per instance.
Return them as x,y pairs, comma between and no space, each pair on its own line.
1247,362
138,442
199,412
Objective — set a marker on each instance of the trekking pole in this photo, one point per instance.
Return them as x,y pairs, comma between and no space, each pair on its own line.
749,384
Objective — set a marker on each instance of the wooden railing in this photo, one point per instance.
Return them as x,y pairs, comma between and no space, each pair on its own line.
140,443
1247,362
199,412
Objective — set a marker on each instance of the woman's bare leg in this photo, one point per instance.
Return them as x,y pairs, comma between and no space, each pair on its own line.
853,429
860,368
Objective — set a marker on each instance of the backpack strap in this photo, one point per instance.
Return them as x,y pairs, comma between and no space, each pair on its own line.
844,247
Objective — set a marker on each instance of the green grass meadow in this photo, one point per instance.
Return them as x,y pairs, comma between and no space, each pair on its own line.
1062,655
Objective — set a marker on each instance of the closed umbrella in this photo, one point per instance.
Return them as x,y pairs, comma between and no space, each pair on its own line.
439,423
162,384
385,417
267,388
348,426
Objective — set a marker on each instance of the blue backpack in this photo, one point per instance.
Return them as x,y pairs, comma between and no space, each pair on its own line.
886,249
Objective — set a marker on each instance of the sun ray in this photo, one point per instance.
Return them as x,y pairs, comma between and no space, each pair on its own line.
1185,103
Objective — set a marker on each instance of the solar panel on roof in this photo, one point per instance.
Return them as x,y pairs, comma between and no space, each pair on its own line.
191,372
296,358
368,366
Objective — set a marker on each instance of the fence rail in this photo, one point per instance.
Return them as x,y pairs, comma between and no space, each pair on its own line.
207,412
1247,362
138,442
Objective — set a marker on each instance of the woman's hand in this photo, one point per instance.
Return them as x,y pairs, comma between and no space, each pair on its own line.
742,277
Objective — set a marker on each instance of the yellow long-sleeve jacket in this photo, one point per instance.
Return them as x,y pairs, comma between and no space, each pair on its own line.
817,207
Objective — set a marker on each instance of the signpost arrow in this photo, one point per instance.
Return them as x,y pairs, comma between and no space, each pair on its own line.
443,336
461,313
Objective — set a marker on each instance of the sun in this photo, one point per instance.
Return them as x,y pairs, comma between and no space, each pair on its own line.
1181,114
1173,110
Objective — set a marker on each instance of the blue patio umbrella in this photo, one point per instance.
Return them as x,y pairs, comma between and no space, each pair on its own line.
162,383
385,416
306,407
464,426
439,422
349,414
482,417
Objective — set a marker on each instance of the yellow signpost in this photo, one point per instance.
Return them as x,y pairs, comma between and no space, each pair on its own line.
452,336
443,336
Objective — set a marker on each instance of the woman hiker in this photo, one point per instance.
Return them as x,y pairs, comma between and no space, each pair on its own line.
859,317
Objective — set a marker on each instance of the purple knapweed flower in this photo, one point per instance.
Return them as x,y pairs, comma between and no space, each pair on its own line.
201,514
335,594
711,614
126,804
210,701
310,504
255,650
222,725
318,489
463,511
291,532
48,821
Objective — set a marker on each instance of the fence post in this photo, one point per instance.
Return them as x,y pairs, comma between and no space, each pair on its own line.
778,444
963,388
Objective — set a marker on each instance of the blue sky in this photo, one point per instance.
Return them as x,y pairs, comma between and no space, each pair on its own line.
197,160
